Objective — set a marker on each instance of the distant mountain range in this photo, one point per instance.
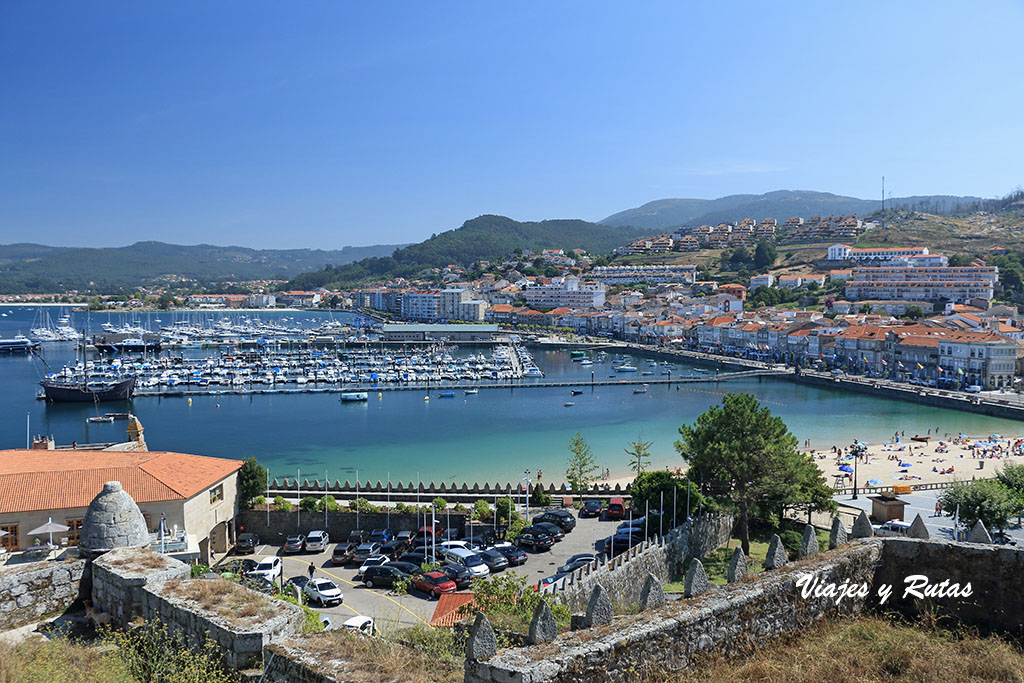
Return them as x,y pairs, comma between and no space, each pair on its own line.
666,214
487,238
28,268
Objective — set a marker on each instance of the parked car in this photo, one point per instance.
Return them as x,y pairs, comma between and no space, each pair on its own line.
494,560
448,535
343,553
468,559
269,568
294,544
535,539
237,567
246,543
973,389
893,527
405,536
381,536
358,536
458,573
365,550
403,566
416,558
316,541
576,562
553,529
620,543
616,508
427,532
259,584
323,592
434,584
513,553
592,508
372,561
393,549
383,575
549,580
362,625
561,518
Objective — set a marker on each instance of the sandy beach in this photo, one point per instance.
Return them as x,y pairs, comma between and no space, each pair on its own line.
930,462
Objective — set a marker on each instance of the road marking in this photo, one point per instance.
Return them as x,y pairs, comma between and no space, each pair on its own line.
353,585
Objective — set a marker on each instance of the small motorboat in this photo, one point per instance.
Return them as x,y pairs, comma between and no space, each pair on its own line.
446,394
354,396
576,392
640,390
471,392
568,404
118,416
920,438
99,418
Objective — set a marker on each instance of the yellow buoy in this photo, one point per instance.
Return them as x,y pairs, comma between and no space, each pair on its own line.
190,401
426,398
380,395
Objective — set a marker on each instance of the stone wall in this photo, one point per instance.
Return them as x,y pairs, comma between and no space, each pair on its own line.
994,572
339,524
119,576
31,591
727,620
241,639
665,558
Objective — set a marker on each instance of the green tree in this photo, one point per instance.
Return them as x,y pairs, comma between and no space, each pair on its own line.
252,481
865,309
504,509
765,254
538,497
582,469
649,489
309,504
639,453
747,458
986,499
440,503
165,301
914,312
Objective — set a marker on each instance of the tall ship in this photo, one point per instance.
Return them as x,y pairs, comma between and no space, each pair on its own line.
69,386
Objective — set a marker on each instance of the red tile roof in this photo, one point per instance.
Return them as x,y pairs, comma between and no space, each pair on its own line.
447,611
52,480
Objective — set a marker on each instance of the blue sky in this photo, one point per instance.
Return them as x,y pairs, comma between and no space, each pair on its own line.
324,124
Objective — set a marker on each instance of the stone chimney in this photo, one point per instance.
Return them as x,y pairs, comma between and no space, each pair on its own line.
42,443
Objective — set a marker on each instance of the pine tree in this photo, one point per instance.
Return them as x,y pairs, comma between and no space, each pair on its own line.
582,470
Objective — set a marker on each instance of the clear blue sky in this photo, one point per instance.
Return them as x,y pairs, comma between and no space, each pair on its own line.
324,124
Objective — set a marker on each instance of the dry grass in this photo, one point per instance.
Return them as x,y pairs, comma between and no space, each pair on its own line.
346,655
147,559
58,661
237,605
868,649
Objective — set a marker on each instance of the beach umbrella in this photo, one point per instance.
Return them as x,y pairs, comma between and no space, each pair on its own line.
874,482
845,468
2,533
49,528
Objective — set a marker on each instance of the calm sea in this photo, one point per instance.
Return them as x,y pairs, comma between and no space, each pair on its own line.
492,436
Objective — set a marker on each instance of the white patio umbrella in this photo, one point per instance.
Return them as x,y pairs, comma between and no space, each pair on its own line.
49,528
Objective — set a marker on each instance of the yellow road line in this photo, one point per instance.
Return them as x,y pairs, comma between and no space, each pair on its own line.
352,584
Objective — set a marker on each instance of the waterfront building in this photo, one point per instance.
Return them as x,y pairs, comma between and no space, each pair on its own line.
955,284
421,305
196,494
844,252
566,291
299,299
426,332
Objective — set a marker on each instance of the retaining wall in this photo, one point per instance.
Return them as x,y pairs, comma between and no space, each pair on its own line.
728,620
665,557
339,524
33,590
119,576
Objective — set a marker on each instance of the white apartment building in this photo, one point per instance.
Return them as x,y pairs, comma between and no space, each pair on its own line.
766,280
983,358
566,291
842,252
421,305
655,274
927,290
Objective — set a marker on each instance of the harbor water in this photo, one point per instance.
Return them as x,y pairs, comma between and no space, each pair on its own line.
494,435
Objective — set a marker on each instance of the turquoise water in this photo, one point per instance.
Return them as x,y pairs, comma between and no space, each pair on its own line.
492,436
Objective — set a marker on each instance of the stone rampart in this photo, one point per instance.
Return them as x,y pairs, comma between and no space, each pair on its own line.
994,572
728,620
665,558
33,590
119,576
241,635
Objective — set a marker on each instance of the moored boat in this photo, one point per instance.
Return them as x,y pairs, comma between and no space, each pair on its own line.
352,396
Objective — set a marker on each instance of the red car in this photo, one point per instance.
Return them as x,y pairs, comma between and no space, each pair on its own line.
434,583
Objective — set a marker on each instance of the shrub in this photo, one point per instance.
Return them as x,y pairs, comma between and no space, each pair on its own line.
312,624
440,503
281,504
362,505
199,569
482,510
791,540
309,504
538,497
459,507
329,502
149,653
259,500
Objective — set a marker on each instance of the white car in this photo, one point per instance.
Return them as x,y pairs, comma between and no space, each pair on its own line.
317,541
323,592
371,561
362,625
268,568
893,527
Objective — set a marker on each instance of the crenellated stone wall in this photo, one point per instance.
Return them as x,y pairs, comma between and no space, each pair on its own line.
339,524
33,590
119,576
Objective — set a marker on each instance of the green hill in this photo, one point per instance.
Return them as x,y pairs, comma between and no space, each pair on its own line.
484,238
665,214
33,268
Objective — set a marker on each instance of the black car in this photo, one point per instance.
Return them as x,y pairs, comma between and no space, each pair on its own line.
494,560
295,544
620,543
246,544
553,529
403,566
564,520
394,549
383,575
535,539
576,562
592,508
358,536
365,550
415,558
343,553
513,553
259,584
459,574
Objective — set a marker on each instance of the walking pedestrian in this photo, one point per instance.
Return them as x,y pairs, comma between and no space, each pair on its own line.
311,570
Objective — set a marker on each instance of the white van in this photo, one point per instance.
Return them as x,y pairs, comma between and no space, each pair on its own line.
468,559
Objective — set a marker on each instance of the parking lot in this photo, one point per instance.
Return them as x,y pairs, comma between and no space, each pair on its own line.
389,609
